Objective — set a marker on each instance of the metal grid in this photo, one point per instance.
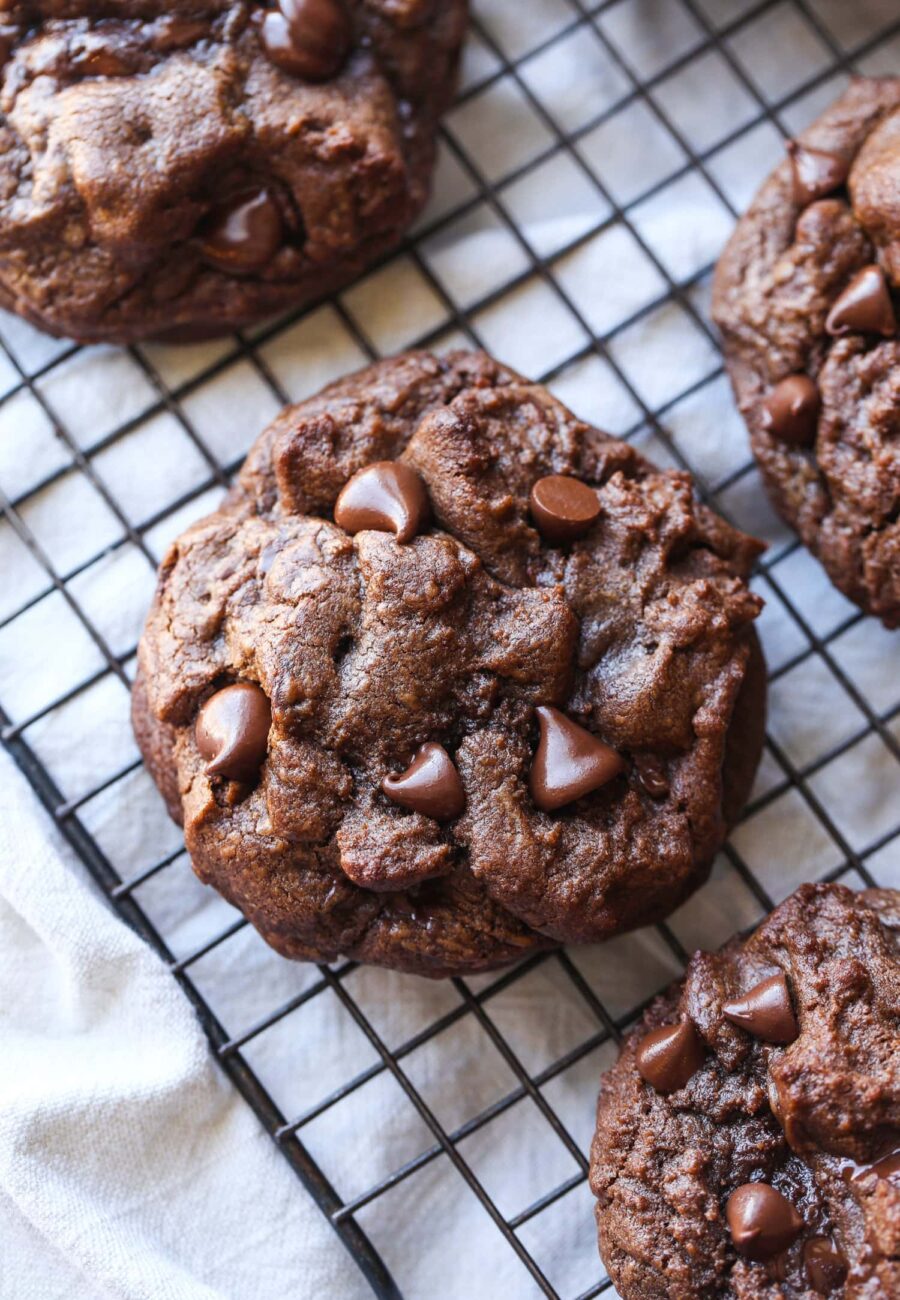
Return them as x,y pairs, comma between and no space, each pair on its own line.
825,659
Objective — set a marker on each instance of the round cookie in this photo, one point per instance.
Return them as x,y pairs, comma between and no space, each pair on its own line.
402,722
177,171
748,1138
806,298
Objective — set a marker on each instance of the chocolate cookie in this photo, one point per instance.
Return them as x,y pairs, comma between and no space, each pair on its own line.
805,296
748,1139
451,676
175,170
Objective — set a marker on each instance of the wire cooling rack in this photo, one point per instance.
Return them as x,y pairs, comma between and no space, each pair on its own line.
589,173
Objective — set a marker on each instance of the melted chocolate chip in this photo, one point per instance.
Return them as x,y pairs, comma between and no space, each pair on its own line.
563,508
667,1057
569,762
388,497
815,172
791,410
888,1168
825,1266
430,785
765,1011
307,38
762,1222
232,731
865,306
243,236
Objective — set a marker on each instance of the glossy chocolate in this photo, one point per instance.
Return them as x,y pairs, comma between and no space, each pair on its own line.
762,1222
388,496
790,412
232,731
815,172
765,1011
825,1266
667,1057
652,775
864,307
430,785
569,762
243,236
309,39
563,508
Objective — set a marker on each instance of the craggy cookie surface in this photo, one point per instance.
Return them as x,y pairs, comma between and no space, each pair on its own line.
177,169
748,1139
402,720
806,298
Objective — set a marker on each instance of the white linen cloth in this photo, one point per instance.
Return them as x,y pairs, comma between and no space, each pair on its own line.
129,1167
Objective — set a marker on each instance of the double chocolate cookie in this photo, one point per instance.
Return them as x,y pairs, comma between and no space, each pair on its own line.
748,1139
806,298
177,170
451,676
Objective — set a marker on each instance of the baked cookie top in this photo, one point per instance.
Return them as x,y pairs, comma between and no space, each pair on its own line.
748,1139
805,296
504,688
178,169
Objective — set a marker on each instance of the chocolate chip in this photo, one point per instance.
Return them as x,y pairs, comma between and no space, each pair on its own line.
569,762
430,785
232,731
667,1057
864,307
791,410
816,172
307,38
388,497
563,508
652,775
826,1267
765,1011
244,235
762,1222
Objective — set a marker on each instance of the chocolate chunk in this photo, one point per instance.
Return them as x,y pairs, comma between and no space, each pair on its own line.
232,731
667,1057
791,410
563,508
388,497
864,307
826,1267
765,1011
762,1222
307,38
569,762
815,172
244,235
430,785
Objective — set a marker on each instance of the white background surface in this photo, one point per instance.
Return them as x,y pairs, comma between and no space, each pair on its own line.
610,148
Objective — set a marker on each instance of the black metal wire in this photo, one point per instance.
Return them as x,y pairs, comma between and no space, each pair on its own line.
586,19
